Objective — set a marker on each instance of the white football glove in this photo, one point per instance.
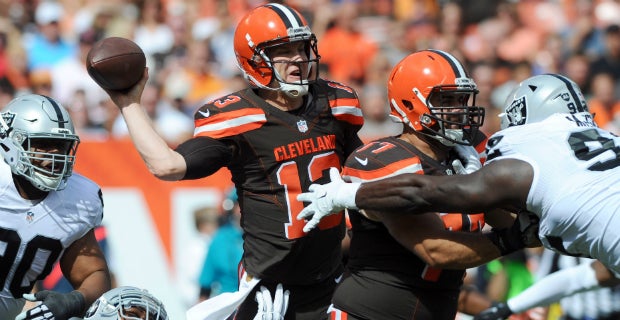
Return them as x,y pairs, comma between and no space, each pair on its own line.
470,156
327,199
271,309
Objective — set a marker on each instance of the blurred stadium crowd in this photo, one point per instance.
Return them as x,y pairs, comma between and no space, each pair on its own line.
189,48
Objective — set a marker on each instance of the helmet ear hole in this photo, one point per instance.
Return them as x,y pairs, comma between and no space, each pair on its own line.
407,104
255,61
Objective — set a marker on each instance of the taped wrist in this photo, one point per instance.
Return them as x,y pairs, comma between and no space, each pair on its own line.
502,309
506,240
71,304
77,303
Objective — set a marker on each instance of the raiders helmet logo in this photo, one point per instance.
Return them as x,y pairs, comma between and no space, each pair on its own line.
517,112
6,120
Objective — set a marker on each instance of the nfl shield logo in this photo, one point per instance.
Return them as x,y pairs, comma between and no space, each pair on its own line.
302,126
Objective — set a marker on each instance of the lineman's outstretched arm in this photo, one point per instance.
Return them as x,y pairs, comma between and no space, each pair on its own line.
426,236
498,184
504,183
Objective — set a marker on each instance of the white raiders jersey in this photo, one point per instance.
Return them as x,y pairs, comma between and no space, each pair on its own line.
34,235
576,187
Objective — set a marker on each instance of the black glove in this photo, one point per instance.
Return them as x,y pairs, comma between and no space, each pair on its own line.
498,311
528,225
54,306
523,233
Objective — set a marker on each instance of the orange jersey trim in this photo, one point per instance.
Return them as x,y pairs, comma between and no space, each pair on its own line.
409,165
431,273
348,110
481,148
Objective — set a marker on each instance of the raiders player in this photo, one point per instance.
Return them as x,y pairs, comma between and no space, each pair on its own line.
550,159
48,213
276,138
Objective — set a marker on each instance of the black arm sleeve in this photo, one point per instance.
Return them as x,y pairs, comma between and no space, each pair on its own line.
353,139
204,156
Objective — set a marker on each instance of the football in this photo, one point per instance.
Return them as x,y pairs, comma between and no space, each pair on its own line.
115,63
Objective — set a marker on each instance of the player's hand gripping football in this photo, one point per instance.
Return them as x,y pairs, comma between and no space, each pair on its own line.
54,306
123,98
327,199
269,309
469,160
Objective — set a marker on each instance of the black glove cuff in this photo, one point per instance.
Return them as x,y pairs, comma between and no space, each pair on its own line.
502,309
76,303
506,240
497,311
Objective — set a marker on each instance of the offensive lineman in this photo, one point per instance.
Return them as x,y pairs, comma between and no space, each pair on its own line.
418,273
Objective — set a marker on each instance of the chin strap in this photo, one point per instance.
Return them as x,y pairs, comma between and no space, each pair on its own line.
294,90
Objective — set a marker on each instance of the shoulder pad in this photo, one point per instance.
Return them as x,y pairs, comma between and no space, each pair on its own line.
227,116
343,101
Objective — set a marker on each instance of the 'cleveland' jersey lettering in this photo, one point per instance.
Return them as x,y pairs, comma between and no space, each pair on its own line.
305,146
